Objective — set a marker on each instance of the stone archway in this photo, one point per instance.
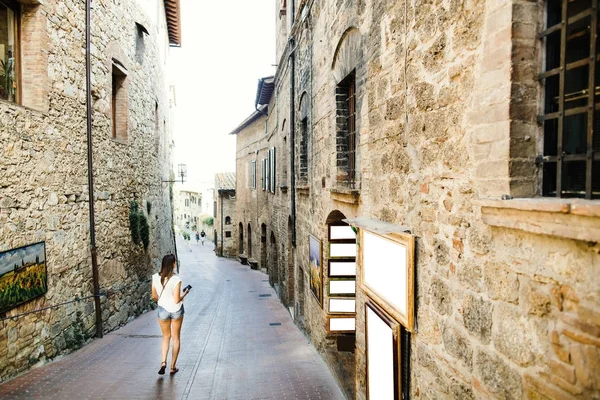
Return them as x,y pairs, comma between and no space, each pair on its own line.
263,248
241,239
273,268
290,278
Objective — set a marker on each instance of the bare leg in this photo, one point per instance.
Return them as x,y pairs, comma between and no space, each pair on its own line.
165,327
175,331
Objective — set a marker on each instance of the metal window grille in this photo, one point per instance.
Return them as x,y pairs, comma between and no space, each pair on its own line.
352,129
303,156
571,116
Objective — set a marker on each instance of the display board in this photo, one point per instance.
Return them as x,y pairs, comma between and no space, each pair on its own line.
342,305
341,324
382,355
342,287
341,232
342,268
388,273
342,250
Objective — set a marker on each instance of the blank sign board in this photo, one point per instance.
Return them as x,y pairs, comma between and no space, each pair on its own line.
342,268
341,232
380,358
342,305
342,250
387,273
342,287
342,324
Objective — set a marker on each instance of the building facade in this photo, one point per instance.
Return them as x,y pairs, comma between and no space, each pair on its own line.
224,221
44,196
188,209
463,133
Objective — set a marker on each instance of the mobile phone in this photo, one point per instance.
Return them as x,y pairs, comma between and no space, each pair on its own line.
187,288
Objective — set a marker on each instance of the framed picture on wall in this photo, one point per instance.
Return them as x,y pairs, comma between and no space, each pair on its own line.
316,268
387,273
23,275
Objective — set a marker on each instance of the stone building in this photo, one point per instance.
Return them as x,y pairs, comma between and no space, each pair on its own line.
462,132
187,208
224,221
44,171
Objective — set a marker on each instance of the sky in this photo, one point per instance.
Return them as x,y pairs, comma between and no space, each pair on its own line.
226,47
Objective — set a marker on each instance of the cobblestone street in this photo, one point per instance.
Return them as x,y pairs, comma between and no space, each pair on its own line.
232,348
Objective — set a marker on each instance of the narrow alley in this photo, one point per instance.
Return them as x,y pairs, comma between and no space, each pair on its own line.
238,342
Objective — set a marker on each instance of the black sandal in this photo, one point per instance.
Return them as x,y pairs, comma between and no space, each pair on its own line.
174,371
163,366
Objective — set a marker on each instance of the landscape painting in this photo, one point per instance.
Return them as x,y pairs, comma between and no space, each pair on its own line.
316,269
22,275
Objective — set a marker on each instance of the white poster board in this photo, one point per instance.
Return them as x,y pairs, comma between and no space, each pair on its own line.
339,232
381,381
387,273
342,250
345,324
342,268
342,305
342,287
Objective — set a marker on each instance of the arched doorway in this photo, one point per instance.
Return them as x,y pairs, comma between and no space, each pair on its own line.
263,248
273,268
249,241
241,239
290,267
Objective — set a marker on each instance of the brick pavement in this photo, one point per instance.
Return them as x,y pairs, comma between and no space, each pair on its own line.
229,350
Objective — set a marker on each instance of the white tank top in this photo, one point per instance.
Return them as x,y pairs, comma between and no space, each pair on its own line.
167,298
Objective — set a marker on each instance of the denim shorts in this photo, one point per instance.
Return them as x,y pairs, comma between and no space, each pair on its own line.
165,315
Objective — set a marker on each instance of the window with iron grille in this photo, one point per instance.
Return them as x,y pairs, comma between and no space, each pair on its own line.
303,153
571,114
346,130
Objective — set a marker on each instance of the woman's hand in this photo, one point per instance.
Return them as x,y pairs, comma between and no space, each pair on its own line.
154,294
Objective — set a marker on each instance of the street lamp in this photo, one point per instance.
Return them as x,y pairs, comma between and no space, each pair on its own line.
181,171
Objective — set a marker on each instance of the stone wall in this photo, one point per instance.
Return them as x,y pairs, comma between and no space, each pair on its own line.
44,192
447,98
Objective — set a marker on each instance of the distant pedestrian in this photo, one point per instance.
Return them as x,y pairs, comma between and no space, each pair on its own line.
202,236
197,238
166,290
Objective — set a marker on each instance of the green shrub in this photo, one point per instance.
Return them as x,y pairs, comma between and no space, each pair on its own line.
134,222
144,230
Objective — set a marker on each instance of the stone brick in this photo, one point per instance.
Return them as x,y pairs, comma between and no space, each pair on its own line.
500,282
498,377
540,389
515,336
477,317
562,370
458,345
440,296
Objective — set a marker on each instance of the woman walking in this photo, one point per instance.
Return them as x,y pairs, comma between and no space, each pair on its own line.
166,289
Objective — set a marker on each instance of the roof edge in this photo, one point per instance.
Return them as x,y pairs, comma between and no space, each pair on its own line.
260,112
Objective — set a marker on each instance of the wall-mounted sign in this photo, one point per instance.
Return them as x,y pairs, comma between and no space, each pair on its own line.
341,305
342,287
342,250
387,272
342,268
337,323
23,275
382,355
341,232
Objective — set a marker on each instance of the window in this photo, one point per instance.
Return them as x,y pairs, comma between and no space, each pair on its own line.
227,234
9,51
271,170
253,174
264,173
119,101
346,130
571,112
140,44
303,153
227,220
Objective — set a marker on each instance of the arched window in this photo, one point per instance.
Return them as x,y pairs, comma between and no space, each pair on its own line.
228,220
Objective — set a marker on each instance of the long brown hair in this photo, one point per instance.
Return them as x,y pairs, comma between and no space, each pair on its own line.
168,265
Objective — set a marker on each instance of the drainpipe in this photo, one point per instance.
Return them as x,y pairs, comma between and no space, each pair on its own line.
88,89
292,136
